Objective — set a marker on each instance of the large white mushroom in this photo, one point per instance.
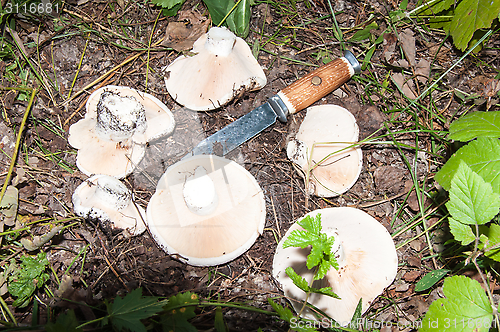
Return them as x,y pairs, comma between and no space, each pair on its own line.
119,122
207,210
222,68
106,198
367,261
322,148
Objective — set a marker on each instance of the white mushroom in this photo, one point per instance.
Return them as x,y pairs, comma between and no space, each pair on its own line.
106,198
367,264
119,121
207,210
334,165
222,68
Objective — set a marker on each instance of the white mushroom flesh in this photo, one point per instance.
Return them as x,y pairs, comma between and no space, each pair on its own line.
199,192
220,41
119,117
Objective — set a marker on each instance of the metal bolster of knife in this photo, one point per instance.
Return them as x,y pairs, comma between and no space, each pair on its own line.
279,108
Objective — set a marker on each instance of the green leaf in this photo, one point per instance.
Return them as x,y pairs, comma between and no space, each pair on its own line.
461,232
297,280
284,313
310,224
471,15
477,124
179,309
219,323
365,33
436,7
483,157
471,199
299,238
492,235
168,3
127,312
239,19
430,279
465,308
65,322
24,279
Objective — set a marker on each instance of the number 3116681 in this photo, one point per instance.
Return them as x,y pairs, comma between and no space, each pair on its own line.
34,8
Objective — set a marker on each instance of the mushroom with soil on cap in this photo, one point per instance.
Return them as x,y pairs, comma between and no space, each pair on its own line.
111,138
107,199
323,151
366,258
222,68
207,210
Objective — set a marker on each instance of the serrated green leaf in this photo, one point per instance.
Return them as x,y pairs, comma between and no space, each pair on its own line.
310,224
489,239
65,322
465,308
461,232
297,280
316,255
328,291
284,313
472,200
179,309
481,155
471,15
430,279
168,3
299,238
128,311
477,124
27,277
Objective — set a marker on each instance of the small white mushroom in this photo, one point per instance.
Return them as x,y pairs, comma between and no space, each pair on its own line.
322,147
222,68
106,198
367,264
207,210
119,122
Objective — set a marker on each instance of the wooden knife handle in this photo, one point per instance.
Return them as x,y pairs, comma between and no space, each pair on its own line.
317,84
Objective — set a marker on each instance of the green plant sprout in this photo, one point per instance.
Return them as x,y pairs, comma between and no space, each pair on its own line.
472,178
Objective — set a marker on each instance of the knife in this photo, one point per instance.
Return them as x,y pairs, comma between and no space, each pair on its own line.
292,99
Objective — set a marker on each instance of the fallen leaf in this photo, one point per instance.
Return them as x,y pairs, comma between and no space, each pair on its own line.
423,70
407,41
181,35
406,86
389,47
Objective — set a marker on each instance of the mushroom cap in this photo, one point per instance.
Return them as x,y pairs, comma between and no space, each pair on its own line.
216,238
370,264
336,127
102,155
106,198
206,81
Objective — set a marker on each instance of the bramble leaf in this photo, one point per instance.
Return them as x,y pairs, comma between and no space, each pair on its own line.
490,239
481,155
472,15
298,238
297,280
430,279
436,7
477,124
179,309
127,312
461,232
24,279
310,224
465,308
66,322
471,199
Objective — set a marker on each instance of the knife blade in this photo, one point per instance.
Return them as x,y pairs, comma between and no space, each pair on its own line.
294,98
